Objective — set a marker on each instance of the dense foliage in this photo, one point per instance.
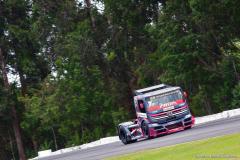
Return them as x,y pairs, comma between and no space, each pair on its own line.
72,65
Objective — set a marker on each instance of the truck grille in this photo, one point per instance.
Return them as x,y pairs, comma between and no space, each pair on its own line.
176,125
174,113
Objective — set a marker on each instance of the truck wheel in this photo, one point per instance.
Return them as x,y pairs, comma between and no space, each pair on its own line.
123,135
145,129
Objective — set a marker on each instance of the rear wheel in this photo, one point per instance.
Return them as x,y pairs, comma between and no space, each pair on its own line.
123,135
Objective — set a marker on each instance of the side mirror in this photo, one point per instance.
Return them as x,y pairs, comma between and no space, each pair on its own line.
185,94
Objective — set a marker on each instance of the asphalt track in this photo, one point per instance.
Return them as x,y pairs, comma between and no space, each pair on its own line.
207,130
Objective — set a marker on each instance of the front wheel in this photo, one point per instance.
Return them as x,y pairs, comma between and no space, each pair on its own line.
145,129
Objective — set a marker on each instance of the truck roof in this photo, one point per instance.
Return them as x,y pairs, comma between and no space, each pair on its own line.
150,89
158,92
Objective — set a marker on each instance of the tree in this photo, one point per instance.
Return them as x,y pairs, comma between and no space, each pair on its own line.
13,111
78,64
194,41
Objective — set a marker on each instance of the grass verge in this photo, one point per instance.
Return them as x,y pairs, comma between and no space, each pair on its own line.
219,148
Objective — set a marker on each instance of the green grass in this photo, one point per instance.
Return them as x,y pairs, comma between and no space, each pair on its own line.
219,148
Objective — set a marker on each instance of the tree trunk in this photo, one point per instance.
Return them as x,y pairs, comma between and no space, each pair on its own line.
89,10
11,145
4,150
22,81
55,139
235,70
35,144
15,120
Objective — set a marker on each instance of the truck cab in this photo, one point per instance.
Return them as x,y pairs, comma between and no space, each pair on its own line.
160,109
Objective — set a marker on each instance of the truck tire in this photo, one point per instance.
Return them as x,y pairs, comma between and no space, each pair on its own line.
145,129
123,135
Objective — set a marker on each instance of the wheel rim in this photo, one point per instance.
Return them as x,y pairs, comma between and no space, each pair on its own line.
123,137
145,129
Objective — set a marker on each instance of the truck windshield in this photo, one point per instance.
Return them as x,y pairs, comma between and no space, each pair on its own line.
164,98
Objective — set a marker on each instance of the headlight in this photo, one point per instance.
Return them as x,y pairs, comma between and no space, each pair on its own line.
187,116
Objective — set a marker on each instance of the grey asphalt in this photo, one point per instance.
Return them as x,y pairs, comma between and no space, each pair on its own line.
207,130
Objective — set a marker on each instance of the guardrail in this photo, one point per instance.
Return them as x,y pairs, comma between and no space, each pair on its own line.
214,117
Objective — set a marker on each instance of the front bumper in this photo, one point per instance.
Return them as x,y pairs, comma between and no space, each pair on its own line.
156,129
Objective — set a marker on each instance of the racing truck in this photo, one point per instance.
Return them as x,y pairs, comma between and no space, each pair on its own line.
160,110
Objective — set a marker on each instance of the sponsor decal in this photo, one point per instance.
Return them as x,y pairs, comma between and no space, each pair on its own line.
165,106
162,106
168,104
168,108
